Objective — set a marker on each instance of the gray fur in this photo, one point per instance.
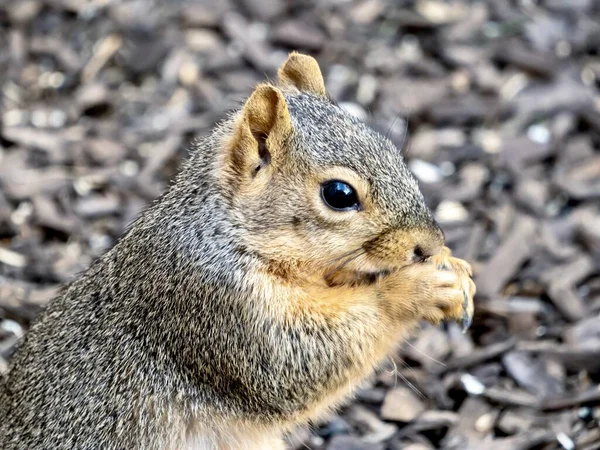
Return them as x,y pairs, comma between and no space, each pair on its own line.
165,329
328,136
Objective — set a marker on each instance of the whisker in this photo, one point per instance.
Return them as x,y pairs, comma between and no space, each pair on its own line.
405,380
345,255
311,429
350,256
389,130
395,372
405,138
412,386
349,260
411,370
344,264
424,354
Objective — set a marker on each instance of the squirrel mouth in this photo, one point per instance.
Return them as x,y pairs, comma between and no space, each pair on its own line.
356,277
374,273
367,270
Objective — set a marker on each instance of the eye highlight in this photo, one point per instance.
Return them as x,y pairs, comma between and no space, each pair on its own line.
339,196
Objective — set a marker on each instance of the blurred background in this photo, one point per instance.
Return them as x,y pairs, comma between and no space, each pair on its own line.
495,104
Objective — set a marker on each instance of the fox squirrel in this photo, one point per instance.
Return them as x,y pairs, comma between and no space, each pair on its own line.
287,259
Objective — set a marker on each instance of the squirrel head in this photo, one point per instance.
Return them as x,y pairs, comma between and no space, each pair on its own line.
315,191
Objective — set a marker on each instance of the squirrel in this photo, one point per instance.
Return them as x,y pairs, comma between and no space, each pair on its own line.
289,256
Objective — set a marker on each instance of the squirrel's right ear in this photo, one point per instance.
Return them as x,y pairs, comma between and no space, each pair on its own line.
260,133
303,73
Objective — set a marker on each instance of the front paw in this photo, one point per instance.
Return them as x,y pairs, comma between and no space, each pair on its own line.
462,313
438,289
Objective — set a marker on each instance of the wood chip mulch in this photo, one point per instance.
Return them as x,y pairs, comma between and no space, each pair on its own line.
100,100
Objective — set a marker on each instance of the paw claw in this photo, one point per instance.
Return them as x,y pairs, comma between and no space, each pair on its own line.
467,320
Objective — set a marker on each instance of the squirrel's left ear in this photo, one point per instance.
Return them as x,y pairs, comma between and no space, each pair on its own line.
261,132
303,73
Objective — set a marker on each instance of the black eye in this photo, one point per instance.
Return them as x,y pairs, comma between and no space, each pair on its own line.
339,196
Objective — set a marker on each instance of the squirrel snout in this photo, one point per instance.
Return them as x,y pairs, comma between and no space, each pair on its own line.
428,243
400,247
425,250
420,254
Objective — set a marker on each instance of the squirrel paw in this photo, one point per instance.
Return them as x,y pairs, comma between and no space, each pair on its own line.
441,289
462,313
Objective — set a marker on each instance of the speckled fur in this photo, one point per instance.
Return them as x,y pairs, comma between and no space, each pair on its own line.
327,136
181,336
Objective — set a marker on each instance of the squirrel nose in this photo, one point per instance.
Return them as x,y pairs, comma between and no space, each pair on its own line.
429,246
421,253
401,246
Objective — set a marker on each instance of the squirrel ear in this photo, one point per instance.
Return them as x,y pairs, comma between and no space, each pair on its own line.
303,73
262,130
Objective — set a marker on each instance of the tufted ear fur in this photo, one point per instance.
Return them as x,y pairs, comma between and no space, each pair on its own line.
303,73
261,131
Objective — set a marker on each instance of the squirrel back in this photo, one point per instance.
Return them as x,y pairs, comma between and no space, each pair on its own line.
282,265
